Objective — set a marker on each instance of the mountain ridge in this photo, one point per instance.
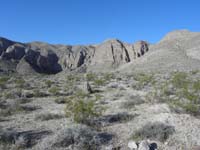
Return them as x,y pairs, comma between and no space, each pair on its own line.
178,49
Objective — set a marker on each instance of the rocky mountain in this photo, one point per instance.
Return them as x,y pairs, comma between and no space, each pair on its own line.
46,58
178,50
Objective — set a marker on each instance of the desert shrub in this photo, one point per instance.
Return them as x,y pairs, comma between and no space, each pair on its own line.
48,83
99,82
180,92
131,103
13,94
80,94
48,116
143,80
20,82
196,86
91,76
39,93
108,76
11,109
154,131
60,100
54,90
8,95
80,137
194,72
81,110
3,81
179,80
98,97
72,78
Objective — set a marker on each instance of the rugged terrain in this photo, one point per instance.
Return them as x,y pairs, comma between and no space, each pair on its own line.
101,96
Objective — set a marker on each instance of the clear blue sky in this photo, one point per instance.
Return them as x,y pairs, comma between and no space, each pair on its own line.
93,21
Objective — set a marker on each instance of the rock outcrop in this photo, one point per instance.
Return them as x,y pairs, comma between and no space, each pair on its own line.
15,51
46,58
4,44
42,62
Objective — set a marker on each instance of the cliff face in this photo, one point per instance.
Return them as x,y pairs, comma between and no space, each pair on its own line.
46,58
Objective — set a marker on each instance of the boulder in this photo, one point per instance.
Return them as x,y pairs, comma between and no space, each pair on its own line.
132,145
16,52
144,145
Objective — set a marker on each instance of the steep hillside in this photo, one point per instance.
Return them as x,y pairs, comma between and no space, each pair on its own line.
178,50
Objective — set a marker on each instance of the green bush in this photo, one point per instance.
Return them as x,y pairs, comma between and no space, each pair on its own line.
80,111
54,90
20,82
196,86
3,81
48,83
91,76
99,82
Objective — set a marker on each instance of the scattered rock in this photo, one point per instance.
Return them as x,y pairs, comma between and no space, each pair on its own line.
132,145
144,145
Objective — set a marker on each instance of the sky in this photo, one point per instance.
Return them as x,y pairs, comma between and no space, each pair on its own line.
93,21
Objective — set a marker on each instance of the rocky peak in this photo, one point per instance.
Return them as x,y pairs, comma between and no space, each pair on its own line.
178,35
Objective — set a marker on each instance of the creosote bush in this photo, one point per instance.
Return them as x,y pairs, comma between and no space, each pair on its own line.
80,111
154,131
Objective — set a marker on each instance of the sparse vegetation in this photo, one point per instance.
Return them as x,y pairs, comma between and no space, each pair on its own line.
54,90
3,81
48,116
154,131
180,91
80,110
99,82
91,77
131,103
143,80
179,80
39,93
20,82
49,83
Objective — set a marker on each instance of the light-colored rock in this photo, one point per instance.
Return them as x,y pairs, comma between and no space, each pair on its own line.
144,145
132,145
